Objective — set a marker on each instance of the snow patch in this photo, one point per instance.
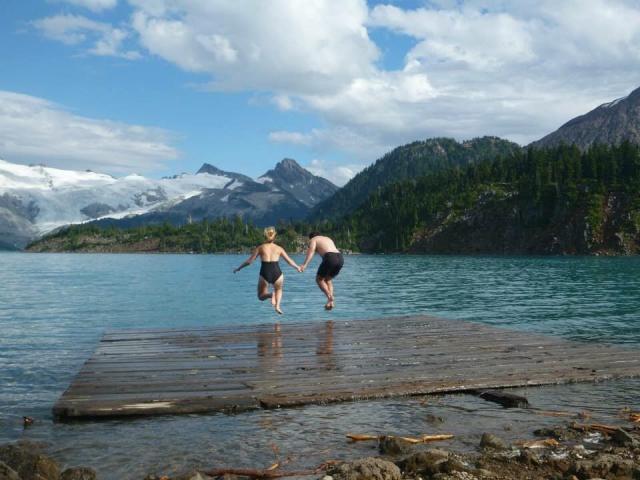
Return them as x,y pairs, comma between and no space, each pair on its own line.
614,103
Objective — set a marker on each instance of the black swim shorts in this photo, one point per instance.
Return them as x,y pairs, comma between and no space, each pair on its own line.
331,265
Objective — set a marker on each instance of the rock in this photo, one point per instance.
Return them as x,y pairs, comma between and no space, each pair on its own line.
79,473
622,437
8,473
455,476
366,469
429,462
393,446
327,477
434,419
605,466
484,473
490,440
25,458
507,400
195,475
529,458
454,465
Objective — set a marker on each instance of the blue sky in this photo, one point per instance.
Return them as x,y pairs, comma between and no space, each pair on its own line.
161,86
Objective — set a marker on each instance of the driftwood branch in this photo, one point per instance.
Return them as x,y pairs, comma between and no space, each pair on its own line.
598,427
257,473
267,473
546,443
356,437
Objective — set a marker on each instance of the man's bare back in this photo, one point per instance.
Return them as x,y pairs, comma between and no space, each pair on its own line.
322,245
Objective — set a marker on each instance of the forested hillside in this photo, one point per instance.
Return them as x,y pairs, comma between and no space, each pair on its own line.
537,201
409,162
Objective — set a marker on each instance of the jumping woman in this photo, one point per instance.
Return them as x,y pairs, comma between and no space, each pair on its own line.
270,272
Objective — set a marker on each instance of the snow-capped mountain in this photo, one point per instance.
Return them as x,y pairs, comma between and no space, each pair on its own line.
35,200
287,192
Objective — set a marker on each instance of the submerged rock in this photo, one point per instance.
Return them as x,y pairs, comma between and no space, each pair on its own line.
491,441
366,469
25,458
393,446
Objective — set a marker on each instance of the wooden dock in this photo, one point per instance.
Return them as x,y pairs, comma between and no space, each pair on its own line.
146,372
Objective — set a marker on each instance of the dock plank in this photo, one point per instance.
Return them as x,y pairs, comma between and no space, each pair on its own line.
234,368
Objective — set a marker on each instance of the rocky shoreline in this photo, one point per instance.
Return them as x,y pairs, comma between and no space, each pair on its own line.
570,451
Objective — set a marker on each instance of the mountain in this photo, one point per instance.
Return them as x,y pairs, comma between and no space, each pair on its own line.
554,201
290,177
609,124
36,199
211,170
284,193
409,162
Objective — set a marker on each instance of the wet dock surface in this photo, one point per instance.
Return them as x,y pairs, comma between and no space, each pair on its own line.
233,368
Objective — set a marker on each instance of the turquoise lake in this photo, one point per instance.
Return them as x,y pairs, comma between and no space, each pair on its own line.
54,307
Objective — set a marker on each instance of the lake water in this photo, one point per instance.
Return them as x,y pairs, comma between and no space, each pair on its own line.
54,307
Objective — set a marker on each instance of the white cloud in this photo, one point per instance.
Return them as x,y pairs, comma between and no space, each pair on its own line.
293,138
479,67
34,130
93,5
76,29
280,46
338,174
512,69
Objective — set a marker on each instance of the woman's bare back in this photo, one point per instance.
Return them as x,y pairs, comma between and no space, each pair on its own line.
270,252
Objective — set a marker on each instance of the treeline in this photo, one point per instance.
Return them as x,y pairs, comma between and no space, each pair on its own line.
560,200
208,236
533,190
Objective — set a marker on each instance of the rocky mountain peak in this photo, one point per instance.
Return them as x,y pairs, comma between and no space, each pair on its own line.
289,176
213,170
210,169
289,164
609,124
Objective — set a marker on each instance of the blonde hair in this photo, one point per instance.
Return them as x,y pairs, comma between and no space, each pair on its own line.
270,234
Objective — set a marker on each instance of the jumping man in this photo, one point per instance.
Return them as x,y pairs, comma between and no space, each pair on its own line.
332,262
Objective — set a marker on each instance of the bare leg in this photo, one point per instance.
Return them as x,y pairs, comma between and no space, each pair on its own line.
263,289
325,289
277,293
329,282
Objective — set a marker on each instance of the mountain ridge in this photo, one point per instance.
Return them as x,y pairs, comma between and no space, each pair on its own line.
37,199
409,161
608,124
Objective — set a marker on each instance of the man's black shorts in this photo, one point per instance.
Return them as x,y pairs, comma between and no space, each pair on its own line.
331,265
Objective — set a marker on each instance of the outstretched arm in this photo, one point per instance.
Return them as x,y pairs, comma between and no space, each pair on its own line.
310,252
248,261
288,259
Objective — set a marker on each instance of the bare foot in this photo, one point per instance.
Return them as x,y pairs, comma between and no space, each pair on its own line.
279,310
329,304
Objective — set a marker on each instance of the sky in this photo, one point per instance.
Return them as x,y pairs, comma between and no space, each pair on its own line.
158,87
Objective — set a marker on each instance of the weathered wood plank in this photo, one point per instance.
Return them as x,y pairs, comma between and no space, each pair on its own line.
158,371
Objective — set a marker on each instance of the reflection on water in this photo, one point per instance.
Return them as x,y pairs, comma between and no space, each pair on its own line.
53,309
